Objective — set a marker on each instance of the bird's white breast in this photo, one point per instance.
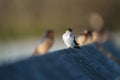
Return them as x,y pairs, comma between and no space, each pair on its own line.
68,40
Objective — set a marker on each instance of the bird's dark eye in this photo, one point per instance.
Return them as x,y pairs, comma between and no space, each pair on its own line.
70,30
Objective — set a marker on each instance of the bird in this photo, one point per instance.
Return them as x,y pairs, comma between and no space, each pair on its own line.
46,43
96,37
69,39
100,36
85,38
92,36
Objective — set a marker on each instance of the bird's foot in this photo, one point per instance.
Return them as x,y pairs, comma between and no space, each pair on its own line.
77,47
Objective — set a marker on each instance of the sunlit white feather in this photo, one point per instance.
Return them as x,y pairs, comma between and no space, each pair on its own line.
68,39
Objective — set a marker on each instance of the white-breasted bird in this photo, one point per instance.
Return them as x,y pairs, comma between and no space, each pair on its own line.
46,43
69,39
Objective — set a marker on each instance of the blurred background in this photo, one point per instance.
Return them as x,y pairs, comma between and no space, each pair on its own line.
22,22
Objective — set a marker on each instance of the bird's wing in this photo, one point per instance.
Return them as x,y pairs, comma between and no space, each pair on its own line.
73,39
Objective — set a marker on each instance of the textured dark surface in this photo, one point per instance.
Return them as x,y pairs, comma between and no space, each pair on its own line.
86,63
110,46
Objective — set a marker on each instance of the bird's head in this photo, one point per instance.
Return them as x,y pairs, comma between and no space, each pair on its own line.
87,33
69,30
50,34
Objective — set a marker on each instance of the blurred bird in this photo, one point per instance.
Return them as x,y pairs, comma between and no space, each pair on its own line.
100,36
89,37
69,39
85,38
96,37
46,43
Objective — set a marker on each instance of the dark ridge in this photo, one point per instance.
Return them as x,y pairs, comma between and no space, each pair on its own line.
86,63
